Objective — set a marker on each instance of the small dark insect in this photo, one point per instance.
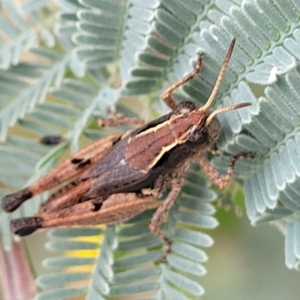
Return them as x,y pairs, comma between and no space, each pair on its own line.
51,140
119,176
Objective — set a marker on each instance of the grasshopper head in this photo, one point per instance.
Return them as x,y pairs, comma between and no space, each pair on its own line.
193,128
200,134
203,127
212,124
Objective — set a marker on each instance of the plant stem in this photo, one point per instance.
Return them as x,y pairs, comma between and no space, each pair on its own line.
15,274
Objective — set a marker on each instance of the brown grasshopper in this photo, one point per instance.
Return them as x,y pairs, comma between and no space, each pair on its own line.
119,176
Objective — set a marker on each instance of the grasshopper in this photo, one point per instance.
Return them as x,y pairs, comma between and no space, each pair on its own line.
119,176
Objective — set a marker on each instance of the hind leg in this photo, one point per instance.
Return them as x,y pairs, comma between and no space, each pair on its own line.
71,168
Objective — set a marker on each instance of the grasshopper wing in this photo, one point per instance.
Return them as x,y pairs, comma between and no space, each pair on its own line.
70,169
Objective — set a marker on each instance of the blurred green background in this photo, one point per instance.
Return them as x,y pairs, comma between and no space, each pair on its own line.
248,263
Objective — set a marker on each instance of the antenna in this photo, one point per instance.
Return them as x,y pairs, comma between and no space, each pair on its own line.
219,79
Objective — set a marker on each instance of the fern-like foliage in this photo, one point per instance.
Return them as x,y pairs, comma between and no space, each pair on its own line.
153,43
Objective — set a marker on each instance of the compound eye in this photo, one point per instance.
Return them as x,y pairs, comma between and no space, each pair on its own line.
185,107
199,136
